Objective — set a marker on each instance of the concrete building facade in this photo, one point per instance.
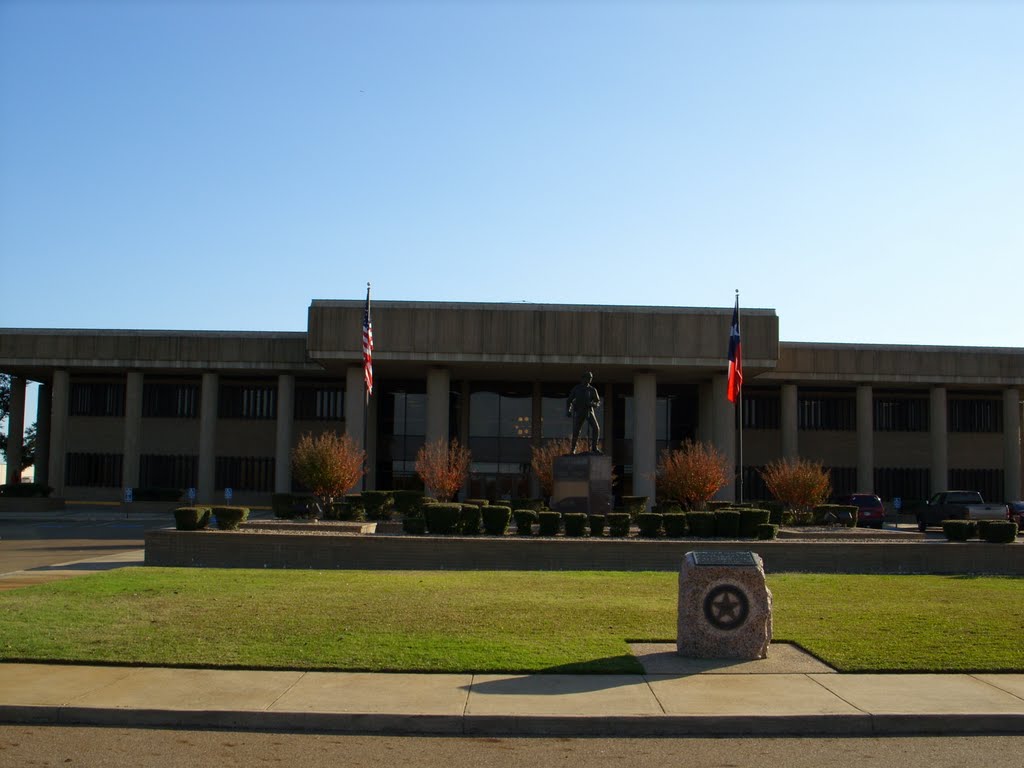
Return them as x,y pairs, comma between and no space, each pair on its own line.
218,410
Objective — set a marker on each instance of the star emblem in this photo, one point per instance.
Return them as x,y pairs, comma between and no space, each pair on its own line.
726,607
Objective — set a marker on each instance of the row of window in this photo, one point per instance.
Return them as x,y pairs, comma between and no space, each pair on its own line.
180,400
256,473
891,413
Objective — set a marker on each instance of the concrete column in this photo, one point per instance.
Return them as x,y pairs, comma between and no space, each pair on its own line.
58,430
789,423
724,430
132,430
355,415
939,442
1011,445
15,429
207,437
285,432
438,387
645,396
865,439
44,402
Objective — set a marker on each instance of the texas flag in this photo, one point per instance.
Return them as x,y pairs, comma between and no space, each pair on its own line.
735,356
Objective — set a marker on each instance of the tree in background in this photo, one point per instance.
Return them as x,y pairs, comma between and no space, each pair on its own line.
28,446
692,474
542,460
443,467
799,483
329,465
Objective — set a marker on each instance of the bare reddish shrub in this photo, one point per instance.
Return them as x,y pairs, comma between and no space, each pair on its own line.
329,465
443,467
692,474
799,483
542,460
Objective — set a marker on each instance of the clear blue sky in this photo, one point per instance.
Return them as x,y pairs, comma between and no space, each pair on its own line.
858,166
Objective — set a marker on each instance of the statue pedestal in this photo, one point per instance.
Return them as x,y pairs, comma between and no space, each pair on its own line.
583,483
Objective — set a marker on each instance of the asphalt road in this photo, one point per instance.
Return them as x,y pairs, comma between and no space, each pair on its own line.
123,748
31,545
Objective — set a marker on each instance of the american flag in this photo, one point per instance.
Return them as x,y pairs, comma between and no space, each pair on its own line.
735,355
368,347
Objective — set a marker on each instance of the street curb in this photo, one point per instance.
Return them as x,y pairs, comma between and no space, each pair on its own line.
525,725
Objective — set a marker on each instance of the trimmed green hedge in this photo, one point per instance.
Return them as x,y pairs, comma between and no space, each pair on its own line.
525,518
550,522
414,525
596,524
575,523
378,504
1000,532
634,505
353,508
192,518
470,519
618,524
750,519
478,502
959,530
443,519
767,532
650,524
727,523
408,503
675,524
702,524
25,490
229,518
496,519
668,507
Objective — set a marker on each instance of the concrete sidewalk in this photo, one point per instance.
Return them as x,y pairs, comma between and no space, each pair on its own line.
702,704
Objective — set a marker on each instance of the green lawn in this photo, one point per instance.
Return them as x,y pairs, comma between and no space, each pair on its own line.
490,621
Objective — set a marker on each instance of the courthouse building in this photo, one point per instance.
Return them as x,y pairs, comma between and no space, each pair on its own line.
218,410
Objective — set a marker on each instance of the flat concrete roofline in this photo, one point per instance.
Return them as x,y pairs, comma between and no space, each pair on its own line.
152,332
854,347
524,306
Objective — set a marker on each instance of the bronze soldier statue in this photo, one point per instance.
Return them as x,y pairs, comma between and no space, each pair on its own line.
583,401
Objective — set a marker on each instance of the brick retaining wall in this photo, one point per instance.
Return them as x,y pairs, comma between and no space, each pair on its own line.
217,549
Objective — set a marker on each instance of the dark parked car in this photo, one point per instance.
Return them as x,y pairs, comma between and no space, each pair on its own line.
1017,514
871,513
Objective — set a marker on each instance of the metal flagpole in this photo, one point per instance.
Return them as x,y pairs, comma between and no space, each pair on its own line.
739,399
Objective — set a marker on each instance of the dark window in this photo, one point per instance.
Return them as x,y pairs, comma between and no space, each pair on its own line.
96,398
754,488
247,400
844,480
95,470
555,422
908,483
761,410
675,414
987,482
156,471
901,413
827,411
178,400
319,402
244,473
976,414
500,436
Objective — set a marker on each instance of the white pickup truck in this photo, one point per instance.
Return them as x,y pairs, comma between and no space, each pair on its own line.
958,505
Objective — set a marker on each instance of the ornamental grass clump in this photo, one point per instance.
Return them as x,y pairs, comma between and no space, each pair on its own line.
542,462
329,465
799,483
692,474
443,467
